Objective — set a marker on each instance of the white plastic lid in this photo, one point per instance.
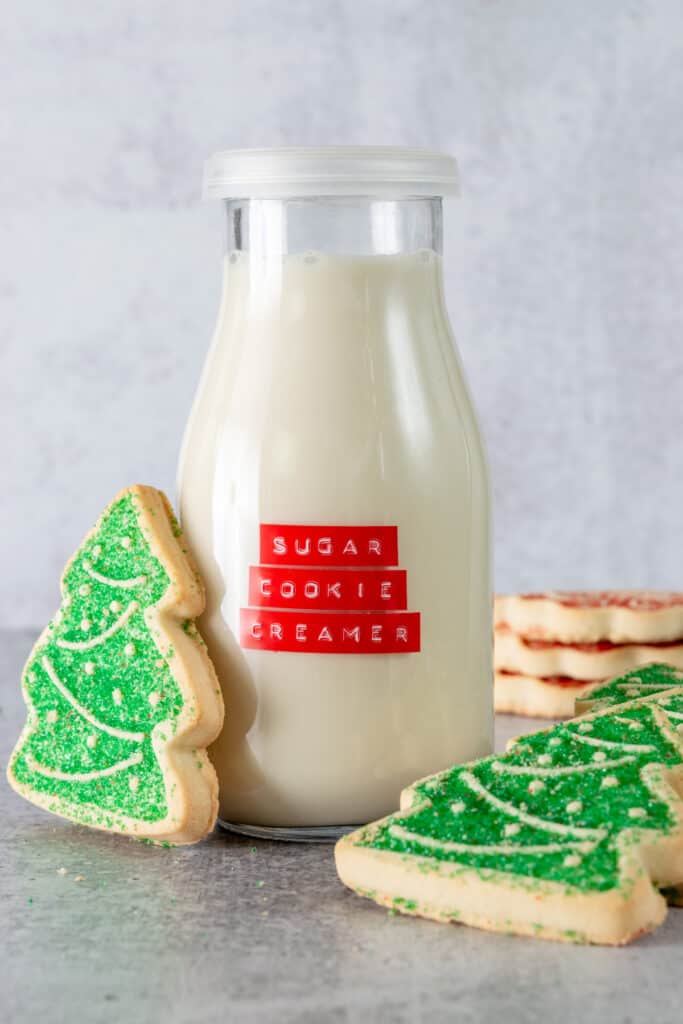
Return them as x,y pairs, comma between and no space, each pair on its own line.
383,171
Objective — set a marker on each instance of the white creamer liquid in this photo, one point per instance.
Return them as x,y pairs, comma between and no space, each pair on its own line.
332,395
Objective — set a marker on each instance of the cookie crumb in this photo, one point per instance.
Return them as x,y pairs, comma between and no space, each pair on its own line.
62,871
79,878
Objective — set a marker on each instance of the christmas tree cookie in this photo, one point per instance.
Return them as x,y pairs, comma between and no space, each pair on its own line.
122,698
641,682
566,836
647,681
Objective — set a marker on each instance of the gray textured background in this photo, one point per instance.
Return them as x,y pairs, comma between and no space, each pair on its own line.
564,256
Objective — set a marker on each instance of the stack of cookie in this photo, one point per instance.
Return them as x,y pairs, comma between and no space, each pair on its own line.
552,648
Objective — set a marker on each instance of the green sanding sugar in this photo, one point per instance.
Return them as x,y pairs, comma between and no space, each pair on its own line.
641,682
560,806
402,904
97,683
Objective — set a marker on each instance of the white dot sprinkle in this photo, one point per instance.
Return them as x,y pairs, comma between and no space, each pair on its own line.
554,741
497,767
574,806
67,600
117,696
115,606
609,781
512,830
545,759
535,786
635,726
58,617
85,625
31,677
458,807
52,716
106,613
125,542
572,860
160,663
154,698
585,727
91,741
89,668
599,755
134,782
84,589
129,650
637,812
96,551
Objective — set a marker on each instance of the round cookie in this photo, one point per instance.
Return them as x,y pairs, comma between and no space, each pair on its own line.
537,697
588,662
621,616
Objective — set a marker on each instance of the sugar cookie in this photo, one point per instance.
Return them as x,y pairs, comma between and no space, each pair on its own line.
560,838
622,616
599,660
122,697
554,697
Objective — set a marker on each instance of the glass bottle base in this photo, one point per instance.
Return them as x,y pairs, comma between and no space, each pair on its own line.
304,834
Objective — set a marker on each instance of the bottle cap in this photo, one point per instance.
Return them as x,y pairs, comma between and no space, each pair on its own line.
383,172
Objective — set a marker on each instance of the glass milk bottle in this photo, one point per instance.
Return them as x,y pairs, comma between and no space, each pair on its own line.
334,492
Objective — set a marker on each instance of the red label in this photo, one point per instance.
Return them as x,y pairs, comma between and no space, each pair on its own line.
340,633
329,545
328,589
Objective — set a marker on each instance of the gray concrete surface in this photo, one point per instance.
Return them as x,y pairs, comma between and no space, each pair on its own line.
564,256
240,930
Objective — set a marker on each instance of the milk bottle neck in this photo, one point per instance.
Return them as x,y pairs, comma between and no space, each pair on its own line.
346,226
